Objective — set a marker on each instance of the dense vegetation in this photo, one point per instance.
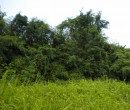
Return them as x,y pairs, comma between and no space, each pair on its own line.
69,95
33,56
75,49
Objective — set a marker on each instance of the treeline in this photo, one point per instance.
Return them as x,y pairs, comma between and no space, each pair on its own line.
75,49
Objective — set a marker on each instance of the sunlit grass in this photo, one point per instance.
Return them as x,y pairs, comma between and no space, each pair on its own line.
70,95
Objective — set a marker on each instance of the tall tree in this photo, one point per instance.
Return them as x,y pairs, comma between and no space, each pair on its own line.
18,25
37,32
86,30
2,23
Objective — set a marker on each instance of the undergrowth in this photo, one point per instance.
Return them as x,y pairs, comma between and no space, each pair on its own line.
69,95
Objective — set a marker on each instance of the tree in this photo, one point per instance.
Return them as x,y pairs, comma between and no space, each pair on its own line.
38,33
76,49
18,25
2,23
10,47
86,31
120,67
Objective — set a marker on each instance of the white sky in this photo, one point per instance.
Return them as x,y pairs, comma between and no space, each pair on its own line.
117,12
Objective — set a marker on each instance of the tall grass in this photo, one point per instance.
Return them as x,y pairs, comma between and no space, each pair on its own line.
70,95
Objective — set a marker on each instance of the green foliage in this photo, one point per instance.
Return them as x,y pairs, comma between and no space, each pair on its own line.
10,47
70,95
37,32
18,25
36,55
120,68
85,31
74,49
2,23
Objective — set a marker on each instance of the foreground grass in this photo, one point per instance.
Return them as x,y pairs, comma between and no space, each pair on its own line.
71,95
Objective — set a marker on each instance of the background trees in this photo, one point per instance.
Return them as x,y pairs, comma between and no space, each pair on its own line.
85,30
37,32
18,25
76,49
2,23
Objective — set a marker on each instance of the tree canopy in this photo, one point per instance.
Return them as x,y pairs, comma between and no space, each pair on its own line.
74,49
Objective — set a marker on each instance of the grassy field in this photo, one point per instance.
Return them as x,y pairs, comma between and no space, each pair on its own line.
70,95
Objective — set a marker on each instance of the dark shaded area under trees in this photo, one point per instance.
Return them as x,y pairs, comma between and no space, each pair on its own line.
75,49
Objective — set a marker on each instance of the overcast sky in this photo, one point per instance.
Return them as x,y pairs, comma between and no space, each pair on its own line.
117,12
